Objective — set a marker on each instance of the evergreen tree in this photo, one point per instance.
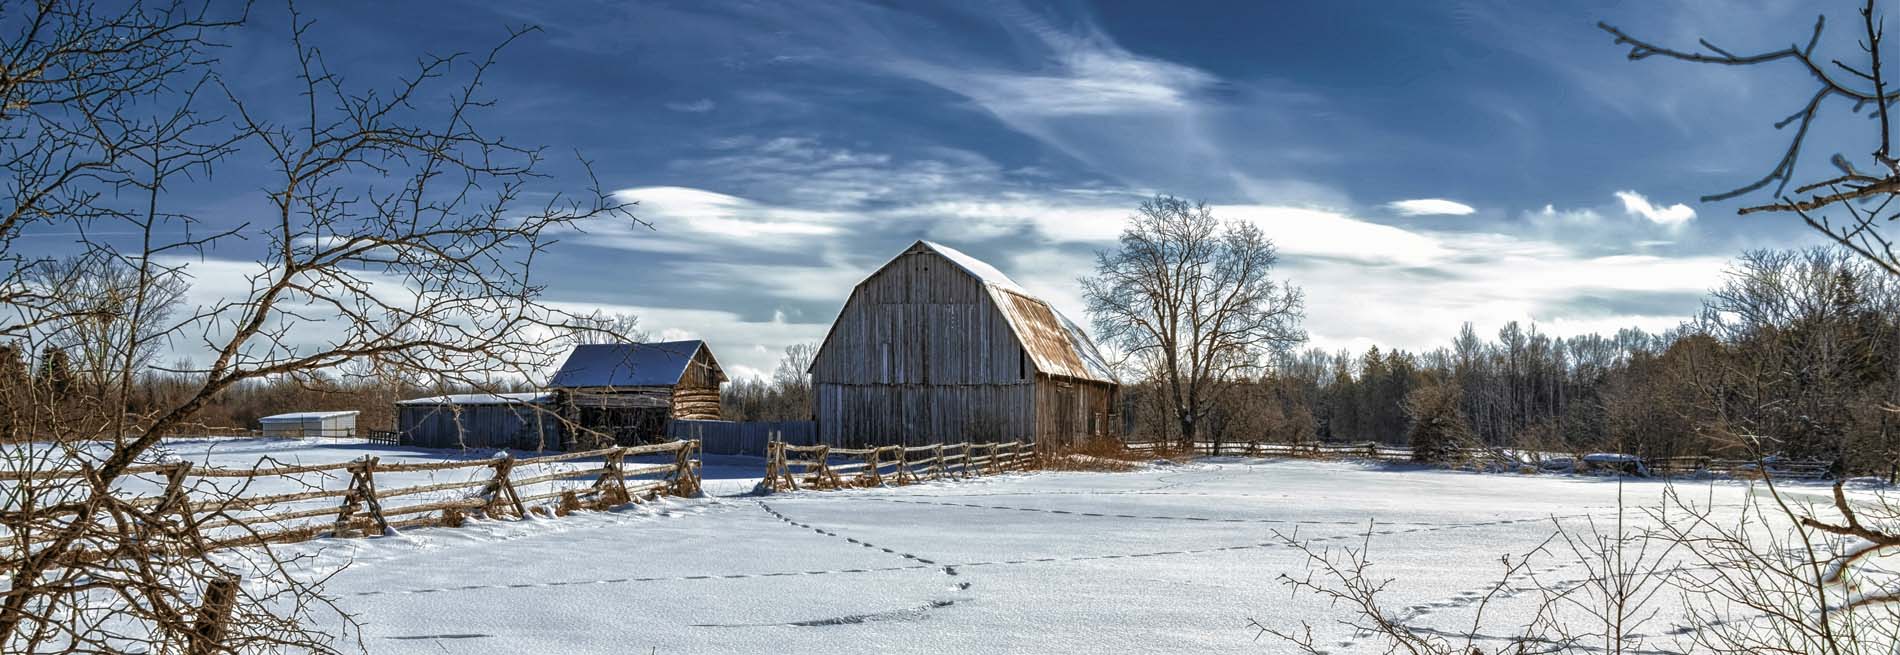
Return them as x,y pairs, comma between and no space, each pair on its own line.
55,375
1439,429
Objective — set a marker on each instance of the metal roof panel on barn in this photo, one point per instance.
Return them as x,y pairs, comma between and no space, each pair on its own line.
608,365
1058,346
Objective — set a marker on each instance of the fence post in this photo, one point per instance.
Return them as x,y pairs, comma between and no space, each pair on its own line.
871,476
214,616
779,472
500,489
937,467
369,494
903,467
612,483
351,499
685,476
965,468
825,476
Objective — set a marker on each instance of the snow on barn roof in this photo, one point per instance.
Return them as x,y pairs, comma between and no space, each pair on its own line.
304,416
1058,346
629,364
482,399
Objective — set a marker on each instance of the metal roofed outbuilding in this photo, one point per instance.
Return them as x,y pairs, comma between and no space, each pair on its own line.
524,421
338,424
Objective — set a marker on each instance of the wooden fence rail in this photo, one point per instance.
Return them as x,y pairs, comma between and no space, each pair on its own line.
1667,466
367,506
789,467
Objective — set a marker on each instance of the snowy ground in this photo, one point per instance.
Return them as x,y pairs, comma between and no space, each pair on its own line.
1164,559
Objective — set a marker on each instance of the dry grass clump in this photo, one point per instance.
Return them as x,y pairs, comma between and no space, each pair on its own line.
1099,454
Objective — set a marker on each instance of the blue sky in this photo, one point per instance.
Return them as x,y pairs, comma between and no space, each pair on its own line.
1419,164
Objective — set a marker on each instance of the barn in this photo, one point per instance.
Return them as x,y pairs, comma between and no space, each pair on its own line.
628,393
480,420
937,346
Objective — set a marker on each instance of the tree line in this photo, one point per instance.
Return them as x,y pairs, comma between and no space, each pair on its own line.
1794,354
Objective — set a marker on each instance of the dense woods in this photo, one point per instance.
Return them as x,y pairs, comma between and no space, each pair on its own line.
1793,354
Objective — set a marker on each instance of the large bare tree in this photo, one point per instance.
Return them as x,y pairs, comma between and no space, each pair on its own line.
1190,300
1852,204
397,237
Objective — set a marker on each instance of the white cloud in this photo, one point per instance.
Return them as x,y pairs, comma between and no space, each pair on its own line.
1430,207
744,348
1673,216
699,106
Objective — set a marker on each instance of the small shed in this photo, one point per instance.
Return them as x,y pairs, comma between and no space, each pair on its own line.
627,393
481,420
341,424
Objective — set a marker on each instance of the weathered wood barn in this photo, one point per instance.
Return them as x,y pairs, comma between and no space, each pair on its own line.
628,392
481,420
938,346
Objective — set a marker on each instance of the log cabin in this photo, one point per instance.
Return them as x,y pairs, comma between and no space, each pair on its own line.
628,393
939,347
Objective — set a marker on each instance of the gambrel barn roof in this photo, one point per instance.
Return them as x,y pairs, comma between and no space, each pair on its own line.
660,364
1057,345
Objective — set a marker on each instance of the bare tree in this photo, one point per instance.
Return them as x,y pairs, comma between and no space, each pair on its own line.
397,240
1190,298
1865,196
601,327
785,397
105,307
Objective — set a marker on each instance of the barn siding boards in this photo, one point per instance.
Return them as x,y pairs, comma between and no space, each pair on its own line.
936,346
521,425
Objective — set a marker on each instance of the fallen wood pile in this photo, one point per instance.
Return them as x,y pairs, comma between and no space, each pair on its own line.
696,404
219,507
789,467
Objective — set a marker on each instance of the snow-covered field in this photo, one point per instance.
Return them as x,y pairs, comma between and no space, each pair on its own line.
1170,558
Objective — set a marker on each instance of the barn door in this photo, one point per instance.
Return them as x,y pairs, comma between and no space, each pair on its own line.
1066,411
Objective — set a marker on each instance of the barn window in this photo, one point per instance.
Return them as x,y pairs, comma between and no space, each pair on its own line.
1022,365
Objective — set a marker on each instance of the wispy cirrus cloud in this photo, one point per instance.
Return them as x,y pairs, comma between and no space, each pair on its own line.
699,106
1430,207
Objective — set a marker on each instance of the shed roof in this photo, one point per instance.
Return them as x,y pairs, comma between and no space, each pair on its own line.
304,416
482,399
631,364
1058,346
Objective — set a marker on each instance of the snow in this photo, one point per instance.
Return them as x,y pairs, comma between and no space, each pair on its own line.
1173,558
300,416
482,399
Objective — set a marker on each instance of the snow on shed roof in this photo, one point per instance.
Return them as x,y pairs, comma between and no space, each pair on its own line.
482,399
1058,346
629,364
303,416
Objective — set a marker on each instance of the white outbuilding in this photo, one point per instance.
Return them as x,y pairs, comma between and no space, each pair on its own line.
310,424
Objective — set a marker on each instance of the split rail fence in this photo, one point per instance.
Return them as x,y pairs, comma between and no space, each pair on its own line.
223,507
790,467
1667,466
1367,450
1780,469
